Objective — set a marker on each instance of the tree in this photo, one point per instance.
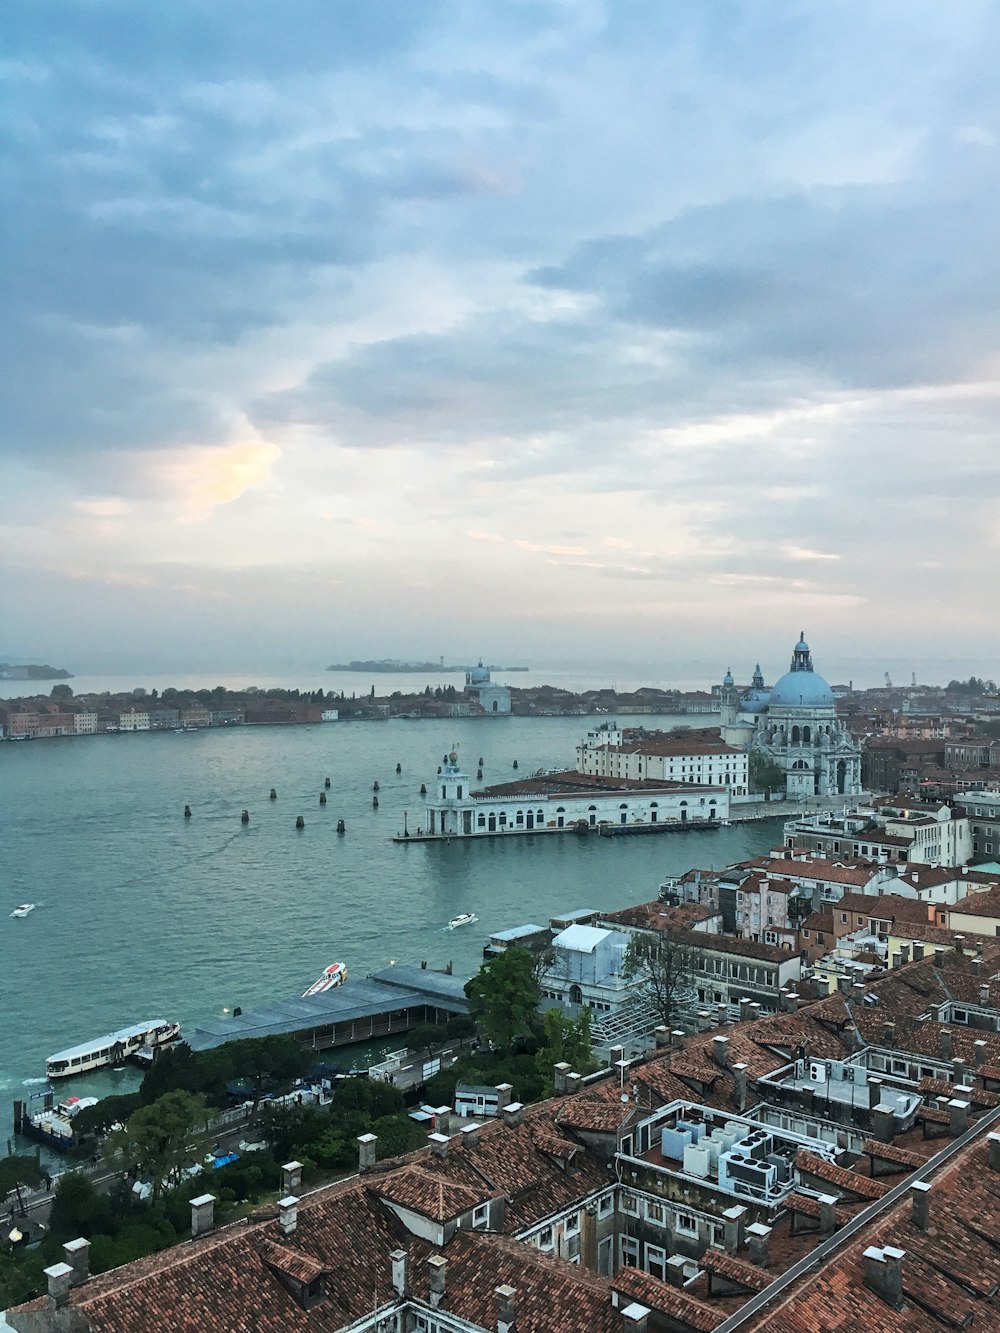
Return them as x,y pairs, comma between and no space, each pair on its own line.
156,1138
566,1039
60,692
764,773
662,967
15,1173
78,1207
504,997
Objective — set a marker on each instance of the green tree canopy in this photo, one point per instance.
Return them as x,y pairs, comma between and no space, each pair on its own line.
504,997
157,1137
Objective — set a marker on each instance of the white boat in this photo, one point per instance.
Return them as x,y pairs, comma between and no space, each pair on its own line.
112,1049
463,919
23,910
334,975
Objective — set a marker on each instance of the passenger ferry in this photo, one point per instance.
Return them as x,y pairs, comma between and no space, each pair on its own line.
113,1049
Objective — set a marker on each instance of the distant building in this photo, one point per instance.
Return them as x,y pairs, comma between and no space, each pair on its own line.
698,757
493,699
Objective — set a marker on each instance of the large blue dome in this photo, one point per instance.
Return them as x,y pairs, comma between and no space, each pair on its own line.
801,689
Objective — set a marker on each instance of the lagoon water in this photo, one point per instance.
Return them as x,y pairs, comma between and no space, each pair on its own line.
142,913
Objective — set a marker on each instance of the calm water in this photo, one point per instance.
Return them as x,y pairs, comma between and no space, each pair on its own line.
143,913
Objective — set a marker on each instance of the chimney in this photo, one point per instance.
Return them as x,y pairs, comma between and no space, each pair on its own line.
288,1214
635,1317
291,1177
661,1035
958,1071
400,1275
792,1002
979,1051
704,1019
77,1254
511,1114
918,951
559,1073
439,1144
888,1033
874,1085
732,1224
60,1277
884,1273
920,1197
958,1110
993,1143
505,1308
857,991
366,1151
202,1215
573,1082
745,1014
938,955
944,1037
676,1265
977,966
883,1122
740,1087
677,1039
438,1267
758,1238
470,1134
903,956
617,1053
827,1213
505,1095
984,993
754,1009
720,1051
960,944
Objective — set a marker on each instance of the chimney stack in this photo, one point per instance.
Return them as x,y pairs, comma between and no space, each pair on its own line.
938,955
979,1052
661,1035
511,1114
960,944
984,993
438,1267
617,1053
559,1073
888,1033
288,1214
400,1276
884,1273
884,1122
993,1143
944,1036
740,1086
732,1224
291,1177
635,1317
505,1308
720,1051
76,1253
573,1081
202,1215
505,1095
958,1110
827,1214
676,1265
470,1134
677,1039
60,1279
918,951
366,1151
758,1240
745,1014
439,1144
857,991
920,1197
704,1019
958,1071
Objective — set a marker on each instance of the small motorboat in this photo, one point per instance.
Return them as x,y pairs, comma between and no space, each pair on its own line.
463,919
334,975
23,909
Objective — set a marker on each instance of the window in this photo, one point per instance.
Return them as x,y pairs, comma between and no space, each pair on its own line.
605,1205
573,1224
481,1217
685,1224
545,1239
656,1261
629,1252
654,1212
717,1233
630,1204
843,917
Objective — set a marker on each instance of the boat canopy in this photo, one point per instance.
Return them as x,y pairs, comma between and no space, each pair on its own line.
120,1038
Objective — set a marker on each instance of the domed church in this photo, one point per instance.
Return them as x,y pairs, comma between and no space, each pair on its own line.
795,725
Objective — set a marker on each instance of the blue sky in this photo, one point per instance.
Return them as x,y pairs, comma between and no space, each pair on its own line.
538,329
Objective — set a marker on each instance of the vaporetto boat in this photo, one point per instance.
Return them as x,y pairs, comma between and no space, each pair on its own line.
142,1039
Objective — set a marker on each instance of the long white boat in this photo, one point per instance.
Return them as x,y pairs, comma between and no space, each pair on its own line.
334,975
112,1049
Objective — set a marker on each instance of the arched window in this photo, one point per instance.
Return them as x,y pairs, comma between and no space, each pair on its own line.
805,736
623,806
795,735
575,994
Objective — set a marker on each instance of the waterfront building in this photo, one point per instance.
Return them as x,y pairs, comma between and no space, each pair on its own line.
493,699
983,811
699,757
563,800
795,726
891,832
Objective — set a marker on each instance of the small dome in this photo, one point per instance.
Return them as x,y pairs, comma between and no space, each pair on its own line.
755,701
479,675
727,679
801,689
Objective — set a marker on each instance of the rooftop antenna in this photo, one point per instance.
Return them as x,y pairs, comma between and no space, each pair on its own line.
888,680
913,678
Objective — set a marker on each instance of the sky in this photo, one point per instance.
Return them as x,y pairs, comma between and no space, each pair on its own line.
556,330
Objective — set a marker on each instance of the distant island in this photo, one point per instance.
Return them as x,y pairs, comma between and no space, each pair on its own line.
10,672
391,665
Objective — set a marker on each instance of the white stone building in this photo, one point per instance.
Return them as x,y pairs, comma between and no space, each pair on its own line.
492,698
699,757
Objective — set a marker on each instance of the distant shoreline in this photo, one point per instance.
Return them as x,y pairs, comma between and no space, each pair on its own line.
389,667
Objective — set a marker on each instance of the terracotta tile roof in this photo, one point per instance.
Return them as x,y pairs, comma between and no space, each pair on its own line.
937,1087
933,1114
839,1177
282,1258
886,907
809,1207
889,1152
979,904
427,1193
661,1297
597,1115
735,1270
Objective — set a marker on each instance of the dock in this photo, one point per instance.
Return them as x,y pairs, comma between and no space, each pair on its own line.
387,1003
